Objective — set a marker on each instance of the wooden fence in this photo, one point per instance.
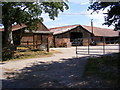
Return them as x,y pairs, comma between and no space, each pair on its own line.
34,45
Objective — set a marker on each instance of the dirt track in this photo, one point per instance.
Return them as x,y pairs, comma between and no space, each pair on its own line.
60,70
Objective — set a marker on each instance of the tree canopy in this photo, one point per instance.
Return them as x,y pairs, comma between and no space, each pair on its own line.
24,12
113,12
28,13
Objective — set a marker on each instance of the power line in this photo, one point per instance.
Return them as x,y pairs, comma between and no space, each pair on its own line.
80,14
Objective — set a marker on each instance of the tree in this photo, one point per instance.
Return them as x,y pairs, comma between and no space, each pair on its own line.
113,12
28,13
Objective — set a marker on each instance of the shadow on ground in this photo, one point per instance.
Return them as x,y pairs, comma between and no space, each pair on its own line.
67,73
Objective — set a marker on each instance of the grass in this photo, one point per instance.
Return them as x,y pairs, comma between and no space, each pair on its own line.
27,54
104,67
22,48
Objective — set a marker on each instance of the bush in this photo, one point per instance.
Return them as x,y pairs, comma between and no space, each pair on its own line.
7,53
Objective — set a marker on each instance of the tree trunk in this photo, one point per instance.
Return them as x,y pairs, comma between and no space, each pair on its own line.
8,35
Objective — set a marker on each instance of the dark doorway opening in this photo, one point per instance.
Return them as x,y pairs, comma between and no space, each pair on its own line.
76,38
111,40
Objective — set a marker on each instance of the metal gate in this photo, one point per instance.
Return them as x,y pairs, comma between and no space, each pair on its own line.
96,46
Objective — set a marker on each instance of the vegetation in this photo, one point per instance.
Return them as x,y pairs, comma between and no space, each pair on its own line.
105,68
113,12
28,13
6,53
24,53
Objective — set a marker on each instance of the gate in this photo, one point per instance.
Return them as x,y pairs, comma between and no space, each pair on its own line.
96,46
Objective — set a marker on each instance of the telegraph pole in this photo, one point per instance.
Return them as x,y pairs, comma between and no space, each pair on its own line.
92,26
92,30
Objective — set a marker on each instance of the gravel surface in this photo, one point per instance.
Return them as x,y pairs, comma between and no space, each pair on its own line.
60,70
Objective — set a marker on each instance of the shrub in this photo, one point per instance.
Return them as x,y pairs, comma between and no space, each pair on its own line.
7,53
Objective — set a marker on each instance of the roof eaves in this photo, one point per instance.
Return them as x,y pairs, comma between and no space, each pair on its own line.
40,32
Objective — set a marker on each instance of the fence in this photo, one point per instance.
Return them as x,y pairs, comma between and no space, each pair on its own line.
33,45
96,46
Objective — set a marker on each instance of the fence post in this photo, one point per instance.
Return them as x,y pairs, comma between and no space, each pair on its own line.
76,51
103,45
36,44
88,46
48,43
27,43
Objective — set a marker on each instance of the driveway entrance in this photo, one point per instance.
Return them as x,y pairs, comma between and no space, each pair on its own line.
95,47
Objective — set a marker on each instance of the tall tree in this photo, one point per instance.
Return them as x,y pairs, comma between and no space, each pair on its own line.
28,13
113,12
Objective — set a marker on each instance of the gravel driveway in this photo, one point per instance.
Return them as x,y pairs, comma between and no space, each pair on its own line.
60,70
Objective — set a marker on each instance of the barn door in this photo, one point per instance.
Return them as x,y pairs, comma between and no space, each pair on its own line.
36,41
76,36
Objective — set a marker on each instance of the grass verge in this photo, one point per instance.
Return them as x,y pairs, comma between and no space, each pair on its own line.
104,68
30,54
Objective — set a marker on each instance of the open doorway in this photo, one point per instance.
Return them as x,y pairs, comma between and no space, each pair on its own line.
75,38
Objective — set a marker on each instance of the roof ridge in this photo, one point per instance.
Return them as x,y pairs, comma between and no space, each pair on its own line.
65,26
97,27
78,25
98,31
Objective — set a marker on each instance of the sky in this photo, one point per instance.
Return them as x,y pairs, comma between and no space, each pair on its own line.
76,14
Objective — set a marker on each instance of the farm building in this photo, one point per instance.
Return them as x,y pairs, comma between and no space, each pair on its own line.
33,39
67,35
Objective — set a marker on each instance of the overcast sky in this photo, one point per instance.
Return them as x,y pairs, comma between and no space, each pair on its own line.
76,14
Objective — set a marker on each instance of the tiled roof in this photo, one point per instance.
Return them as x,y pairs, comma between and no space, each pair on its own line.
16,27
96,30
101,31
59,30
39,30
